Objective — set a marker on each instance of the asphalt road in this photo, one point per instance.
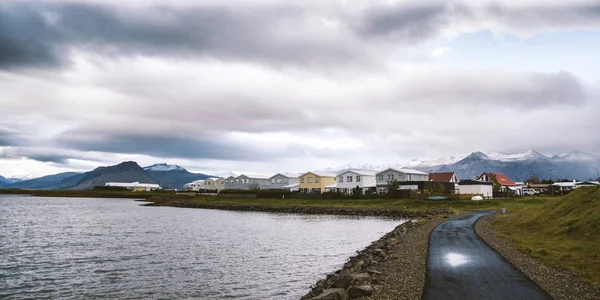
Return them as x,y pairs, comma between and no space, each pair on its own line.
462,266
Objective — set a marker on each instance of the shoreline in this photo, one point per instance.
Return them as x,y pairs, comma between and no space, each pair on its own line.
309,210
392,266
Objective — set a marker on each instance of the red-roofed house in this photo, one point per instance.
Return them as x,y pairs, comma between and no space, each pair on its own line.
443,177
505,183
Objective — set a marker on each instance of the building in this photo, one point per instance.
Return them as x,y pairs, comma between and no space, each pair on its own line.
540,187
564,186
349,180
470,186
315,182
214,184
400,175
248,182
195,186
444,177
506,184
284,181
230,182
135,186
587,183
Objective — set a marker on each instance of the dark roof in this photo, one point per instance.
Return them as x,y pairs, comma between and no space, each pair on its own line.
473,182
441,177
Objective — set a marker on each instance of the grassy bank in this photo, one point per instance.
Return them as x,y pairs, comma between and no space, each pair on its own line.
563,233
172,199
403,204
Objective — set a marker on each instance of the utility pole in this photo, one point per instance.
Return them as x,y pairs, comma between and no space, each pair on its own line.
597,173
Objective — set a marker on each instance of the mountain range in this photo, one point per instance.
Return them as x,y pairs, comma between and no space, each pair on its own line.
167,176
518,166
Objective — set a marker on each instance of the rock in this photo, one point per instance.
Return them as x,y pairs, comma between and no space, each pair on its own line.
348,265
379,252
342,283
371,272
357,291
358,265
360,277
332,294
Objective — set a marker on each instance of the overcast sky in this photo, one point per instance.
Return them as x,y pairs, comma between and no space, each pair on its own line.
292,85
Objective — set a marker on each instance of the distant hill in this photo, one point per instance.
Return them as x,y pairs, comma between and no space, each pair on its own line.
8,181
521,166
172,176
518,166
128,171
57,181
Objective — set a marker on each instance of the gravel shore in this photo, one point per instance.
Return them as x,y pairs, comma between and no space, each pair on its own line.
560,284
404,274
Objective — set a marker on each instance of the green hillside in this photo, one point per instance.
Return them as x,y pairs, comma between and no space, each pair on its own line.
563,233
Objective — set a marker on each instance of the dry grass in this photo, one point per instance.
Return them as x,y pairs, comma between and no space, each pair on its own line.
564,233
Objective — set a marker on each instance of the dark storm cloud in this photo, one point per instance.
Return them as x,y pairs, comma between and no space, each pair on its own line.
162,146
10,136
404,22
34,34
41,34
58,159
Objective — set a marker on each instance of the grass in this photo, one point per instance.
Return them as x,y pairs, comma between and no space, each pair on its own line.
404,204
563,233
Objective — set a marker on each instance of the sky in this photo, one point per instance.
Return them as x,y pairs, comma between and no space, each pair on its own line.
292,86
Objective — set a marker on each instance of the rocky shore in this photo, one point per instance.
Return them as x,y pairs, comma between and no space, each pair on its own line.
316,210
560,284
392,267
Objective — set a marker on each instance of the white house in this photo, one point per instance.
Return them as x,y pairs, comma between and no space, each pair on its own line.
400,175
136,186
478,187
565,186
350,179
194,186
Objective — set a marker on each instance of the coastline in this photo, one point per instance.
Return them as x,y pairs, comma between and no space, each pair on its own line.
392,266
311,210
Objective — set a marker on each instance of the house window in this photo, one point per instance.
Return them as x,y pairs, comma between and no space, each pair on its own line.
278,180
349,178
248,180
237,181
285,180
302,180
401,176
309,179
380,177
341,179
390,176
316,179
273,180
357,178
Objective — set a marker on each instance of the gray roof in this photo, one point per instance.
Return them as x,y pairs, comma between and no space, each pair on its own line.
359,172
405,171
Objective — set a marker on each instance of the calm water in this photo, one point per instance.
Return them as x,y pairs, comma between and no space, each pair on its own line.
115,248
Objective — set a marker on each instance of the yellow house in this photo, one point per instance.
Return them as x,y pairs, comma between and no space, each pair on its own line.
315,182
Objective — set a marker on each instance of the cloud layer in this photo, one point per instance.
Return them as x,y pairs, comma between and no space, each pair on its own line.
283,87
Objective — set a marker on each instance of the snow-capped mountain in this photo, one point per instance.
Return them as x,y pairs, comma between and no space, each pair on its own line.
529,154
163,167
576,156
224,174
518,166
